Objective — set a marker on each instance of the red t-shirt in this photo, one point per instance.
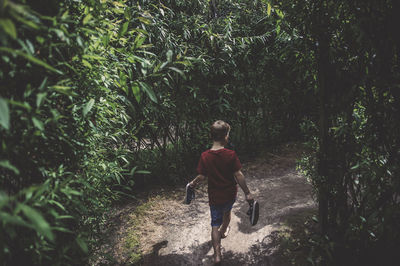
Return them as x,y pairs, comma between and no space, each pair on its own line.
219,166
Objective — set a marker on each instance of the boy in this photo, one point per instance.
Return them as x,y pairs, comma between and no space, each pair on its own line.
222,168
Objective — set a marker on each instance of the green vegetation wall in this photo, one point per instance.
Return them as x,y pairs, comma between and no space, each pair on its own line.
355,50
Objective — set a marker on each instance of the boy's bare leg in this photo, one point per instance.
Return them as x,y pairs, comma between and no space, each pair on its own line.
216,242
226,219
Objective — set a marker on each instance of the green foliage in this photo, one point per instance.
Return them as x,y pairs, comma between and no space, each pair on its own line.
99,98
55,194
354,169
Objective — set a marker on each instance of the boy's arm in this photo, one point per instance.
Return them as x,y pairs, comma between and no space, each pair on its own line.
197,180
242,183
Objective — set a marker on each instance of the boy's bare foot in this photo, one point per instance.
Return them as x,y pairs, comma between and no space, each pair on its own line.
217,259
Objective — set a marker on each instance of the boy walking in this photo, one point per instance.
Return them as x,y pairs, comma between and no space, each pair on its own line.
221,167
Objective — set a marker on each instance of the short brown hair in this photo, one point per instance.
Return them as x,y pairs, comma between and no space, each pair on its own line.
219,130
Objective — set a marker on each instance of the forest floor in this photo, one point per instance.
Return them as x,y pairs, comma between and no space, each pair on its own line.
161,230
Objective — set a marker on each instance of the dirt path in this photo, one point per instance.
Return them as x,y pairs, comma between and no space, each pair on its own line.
172,233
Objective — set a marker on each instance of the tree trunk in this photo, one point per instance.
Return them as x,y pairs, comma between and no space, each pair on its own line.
213,9
323,157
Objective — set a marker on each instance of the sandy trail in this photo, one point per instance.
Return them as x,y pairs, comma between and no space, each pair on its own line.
176,234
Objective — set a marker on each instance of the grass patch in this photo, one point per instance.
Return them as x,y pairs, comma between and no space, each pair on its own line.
132,239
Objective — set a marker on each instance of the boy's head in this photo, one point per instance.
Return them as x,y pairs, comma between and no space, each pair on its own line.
220,131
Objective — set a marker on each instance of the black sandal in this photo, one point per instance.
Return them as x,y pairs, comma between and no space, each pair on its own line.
189,194
253,212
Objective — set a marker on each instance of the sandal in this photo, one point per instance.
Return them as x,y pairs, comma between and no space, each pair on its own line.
253,212
189,194
224,235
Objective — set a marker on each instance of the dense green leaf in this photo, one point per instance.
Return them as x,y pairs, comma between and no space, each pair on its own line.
39,98
37,123
169,55
12,219
149,91
86,63
30,58
136,92
82,244
143,172
4,114
123,29
8,26
180,72
88,106
37,220
6,164
87,18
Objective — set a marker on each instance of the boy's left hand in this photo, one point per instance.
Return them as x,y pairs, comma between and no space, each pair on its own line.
249,197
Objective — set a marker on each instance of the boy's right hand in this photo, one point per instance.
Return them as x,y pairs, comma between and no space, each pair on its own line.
249,197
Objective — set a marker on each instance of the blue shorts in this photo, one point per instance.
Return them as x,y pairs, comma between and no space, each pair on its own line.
217,212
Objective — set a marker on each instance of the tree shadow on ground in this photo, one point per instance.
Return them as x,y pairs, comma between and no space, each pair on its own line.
198,254
301,243
288,245
280,248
